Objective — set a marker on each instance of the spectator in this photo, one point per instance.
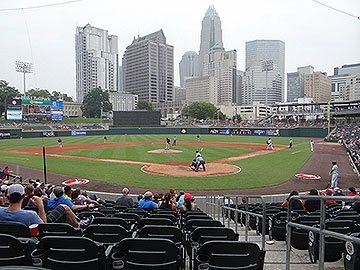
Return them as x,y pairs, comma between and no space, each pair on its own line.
180,199
5,173
295,204
188,204
14,213
328,192
3,194
29,192
353,192
146,202
157,198
312,205
338,192
59,199
168,203
67,192
125,200
139,198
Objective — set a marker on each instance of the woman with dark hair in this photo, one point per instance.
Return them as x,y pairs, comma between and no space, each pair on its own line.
168,203
188,204
312,205
295,204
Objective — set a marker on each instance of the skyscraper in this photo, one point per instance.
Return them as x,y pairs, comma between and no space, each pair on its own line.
188,66
296,83
96,60
258,51
148,68
211,34
318,87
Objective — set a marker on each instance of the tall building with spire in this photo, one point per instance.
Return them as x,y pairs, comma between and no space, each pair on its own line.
211,34
96,60
148,68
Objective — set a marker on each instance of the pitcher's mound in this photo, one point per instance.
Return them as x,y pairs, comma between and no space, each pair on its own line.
163,151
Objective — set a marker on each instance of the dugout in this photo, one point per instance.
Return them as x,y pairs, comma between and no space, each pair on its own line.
136,118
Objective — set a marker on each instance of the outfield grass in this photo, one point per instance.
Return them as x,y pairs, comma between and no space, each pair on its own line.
259,171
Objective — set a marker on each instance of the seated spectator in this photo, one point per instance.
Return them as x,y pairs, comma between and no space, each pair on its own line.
125,200
87,199
49,190
38,192
59,199
312,205
4,173
146,202
356,207
168,203
353,192
14,213
188,204
3,194
157,197
139,198
67,192
295,204
172,193
180,198
338,192
29,192
328,192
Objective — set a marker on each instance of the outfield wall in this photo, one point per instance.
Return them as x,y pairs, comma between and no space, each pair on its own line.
311,132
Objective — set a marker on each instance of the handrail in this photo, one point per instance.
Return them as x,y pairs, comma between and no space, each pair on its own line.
322,231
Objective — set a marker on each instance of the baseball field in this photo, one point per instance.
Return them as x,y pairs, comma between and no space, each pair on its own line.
232,162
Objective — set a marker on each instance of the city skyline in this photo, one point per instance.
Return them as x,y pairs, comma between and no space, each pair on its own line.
46,36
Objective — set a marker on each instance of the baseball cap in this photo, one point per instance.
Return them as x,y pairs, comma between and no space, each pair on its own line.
328,192
352,189
4,187
16,188
187,196
181,192
148,194
58,192
337,189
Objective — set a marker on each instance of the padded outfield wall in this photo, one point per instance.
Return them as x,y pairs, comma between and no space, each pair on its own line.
311,132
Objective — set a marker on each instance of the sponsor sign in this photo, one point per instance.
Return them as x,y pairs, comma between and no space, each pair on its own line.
259,132
72,182
308,176
78,133
57,115
13,104
4,134
49,134
36,102
14,115
183,131
237,131
213,131
57,105
272,132
224,131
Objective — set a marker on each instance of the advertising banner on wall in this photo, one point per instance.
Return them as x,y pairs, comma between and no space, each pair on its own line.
13,109
244,131
4,134
78,133
49,134
57,116
57,105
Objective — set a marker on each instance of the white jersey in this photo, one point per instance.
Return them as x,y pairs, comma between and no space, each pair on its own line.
335,169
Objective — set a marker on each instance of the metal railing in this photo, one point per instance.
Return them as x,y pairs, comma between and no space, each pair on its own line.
215,206
320,230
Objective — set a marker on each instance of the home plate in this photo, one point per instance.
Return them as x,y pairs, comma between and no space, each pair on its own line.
36,153
308,176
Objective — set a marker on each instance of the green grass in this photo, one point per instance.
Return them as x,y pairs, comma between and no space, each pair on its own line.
259,171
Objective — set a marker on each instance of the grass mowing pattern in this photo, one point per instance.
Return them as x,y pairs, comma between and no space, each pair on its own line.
269,169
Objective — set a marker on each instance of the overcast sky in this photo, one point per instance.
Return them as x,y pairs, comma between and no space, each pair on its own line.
313,34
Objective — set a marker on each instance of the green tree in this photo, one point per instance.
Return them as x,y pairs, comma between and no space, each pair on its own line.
237,116
55,95
39,93
6,91
144,105
202,110
96,102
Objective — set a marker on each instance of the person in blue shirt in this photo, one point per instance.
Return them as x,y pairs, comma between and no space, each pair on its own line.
146,202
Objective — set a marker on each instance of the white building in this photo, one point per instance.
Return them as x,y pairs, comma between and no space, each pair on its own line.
72,109
201,89
352,69
148,68
258,51
188,66
211,34
255,111
123,101
96,60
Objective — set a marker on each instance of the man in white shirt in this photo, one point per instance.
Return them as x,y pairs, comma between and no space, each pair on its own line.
334,173
312,145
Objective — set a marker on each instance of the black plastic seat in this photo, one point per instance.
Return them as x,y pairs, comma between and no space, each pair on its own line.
15,229
352,254
229,255
120,208
147,254
106,233
139,211
194,223
172,233
299,237
14,251
154,221
168,216
58,229
130,218
112,220
108,211
86,214
72,253
277,226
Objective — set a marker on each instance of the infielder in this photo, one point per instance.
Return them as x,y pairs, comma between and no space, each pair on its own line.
198,138
174,143
167,147
312,145
334,173
105,139
269,144
290,143
60,143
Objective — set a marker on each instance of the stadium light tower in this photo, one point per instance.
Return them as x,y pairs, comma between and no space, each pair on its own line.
24,68
267,65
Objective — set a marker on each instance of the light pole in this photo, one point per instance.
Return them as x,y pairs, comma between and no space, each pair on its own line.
267,65
24,68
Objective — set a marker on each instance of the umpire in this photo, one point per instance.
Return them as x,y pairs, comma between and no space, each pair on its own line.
199,162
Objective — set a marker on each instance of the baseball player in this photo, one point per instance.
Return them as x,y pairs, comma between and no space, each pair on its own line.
105,139
269,144
290,143
198,138
167,147
60,143
334,173
312,145
193,165
197,154
200,162
174,143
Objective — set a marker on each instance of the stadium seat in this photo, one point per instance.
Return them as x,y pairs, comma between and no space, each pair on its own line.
14,251
86,214
333,246
352,254
58,229
161,215
194,223
108,211
277,226
106,233
71,253
14,229
146,254
172,233
120,208
112,220
299,237
131,218
139,211
216,255
154,221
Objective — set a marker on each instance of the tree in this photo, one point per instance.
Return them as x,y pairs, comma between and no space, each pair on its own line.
236,116
202,110
39,93
96,102
6,91
55,95
144,105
